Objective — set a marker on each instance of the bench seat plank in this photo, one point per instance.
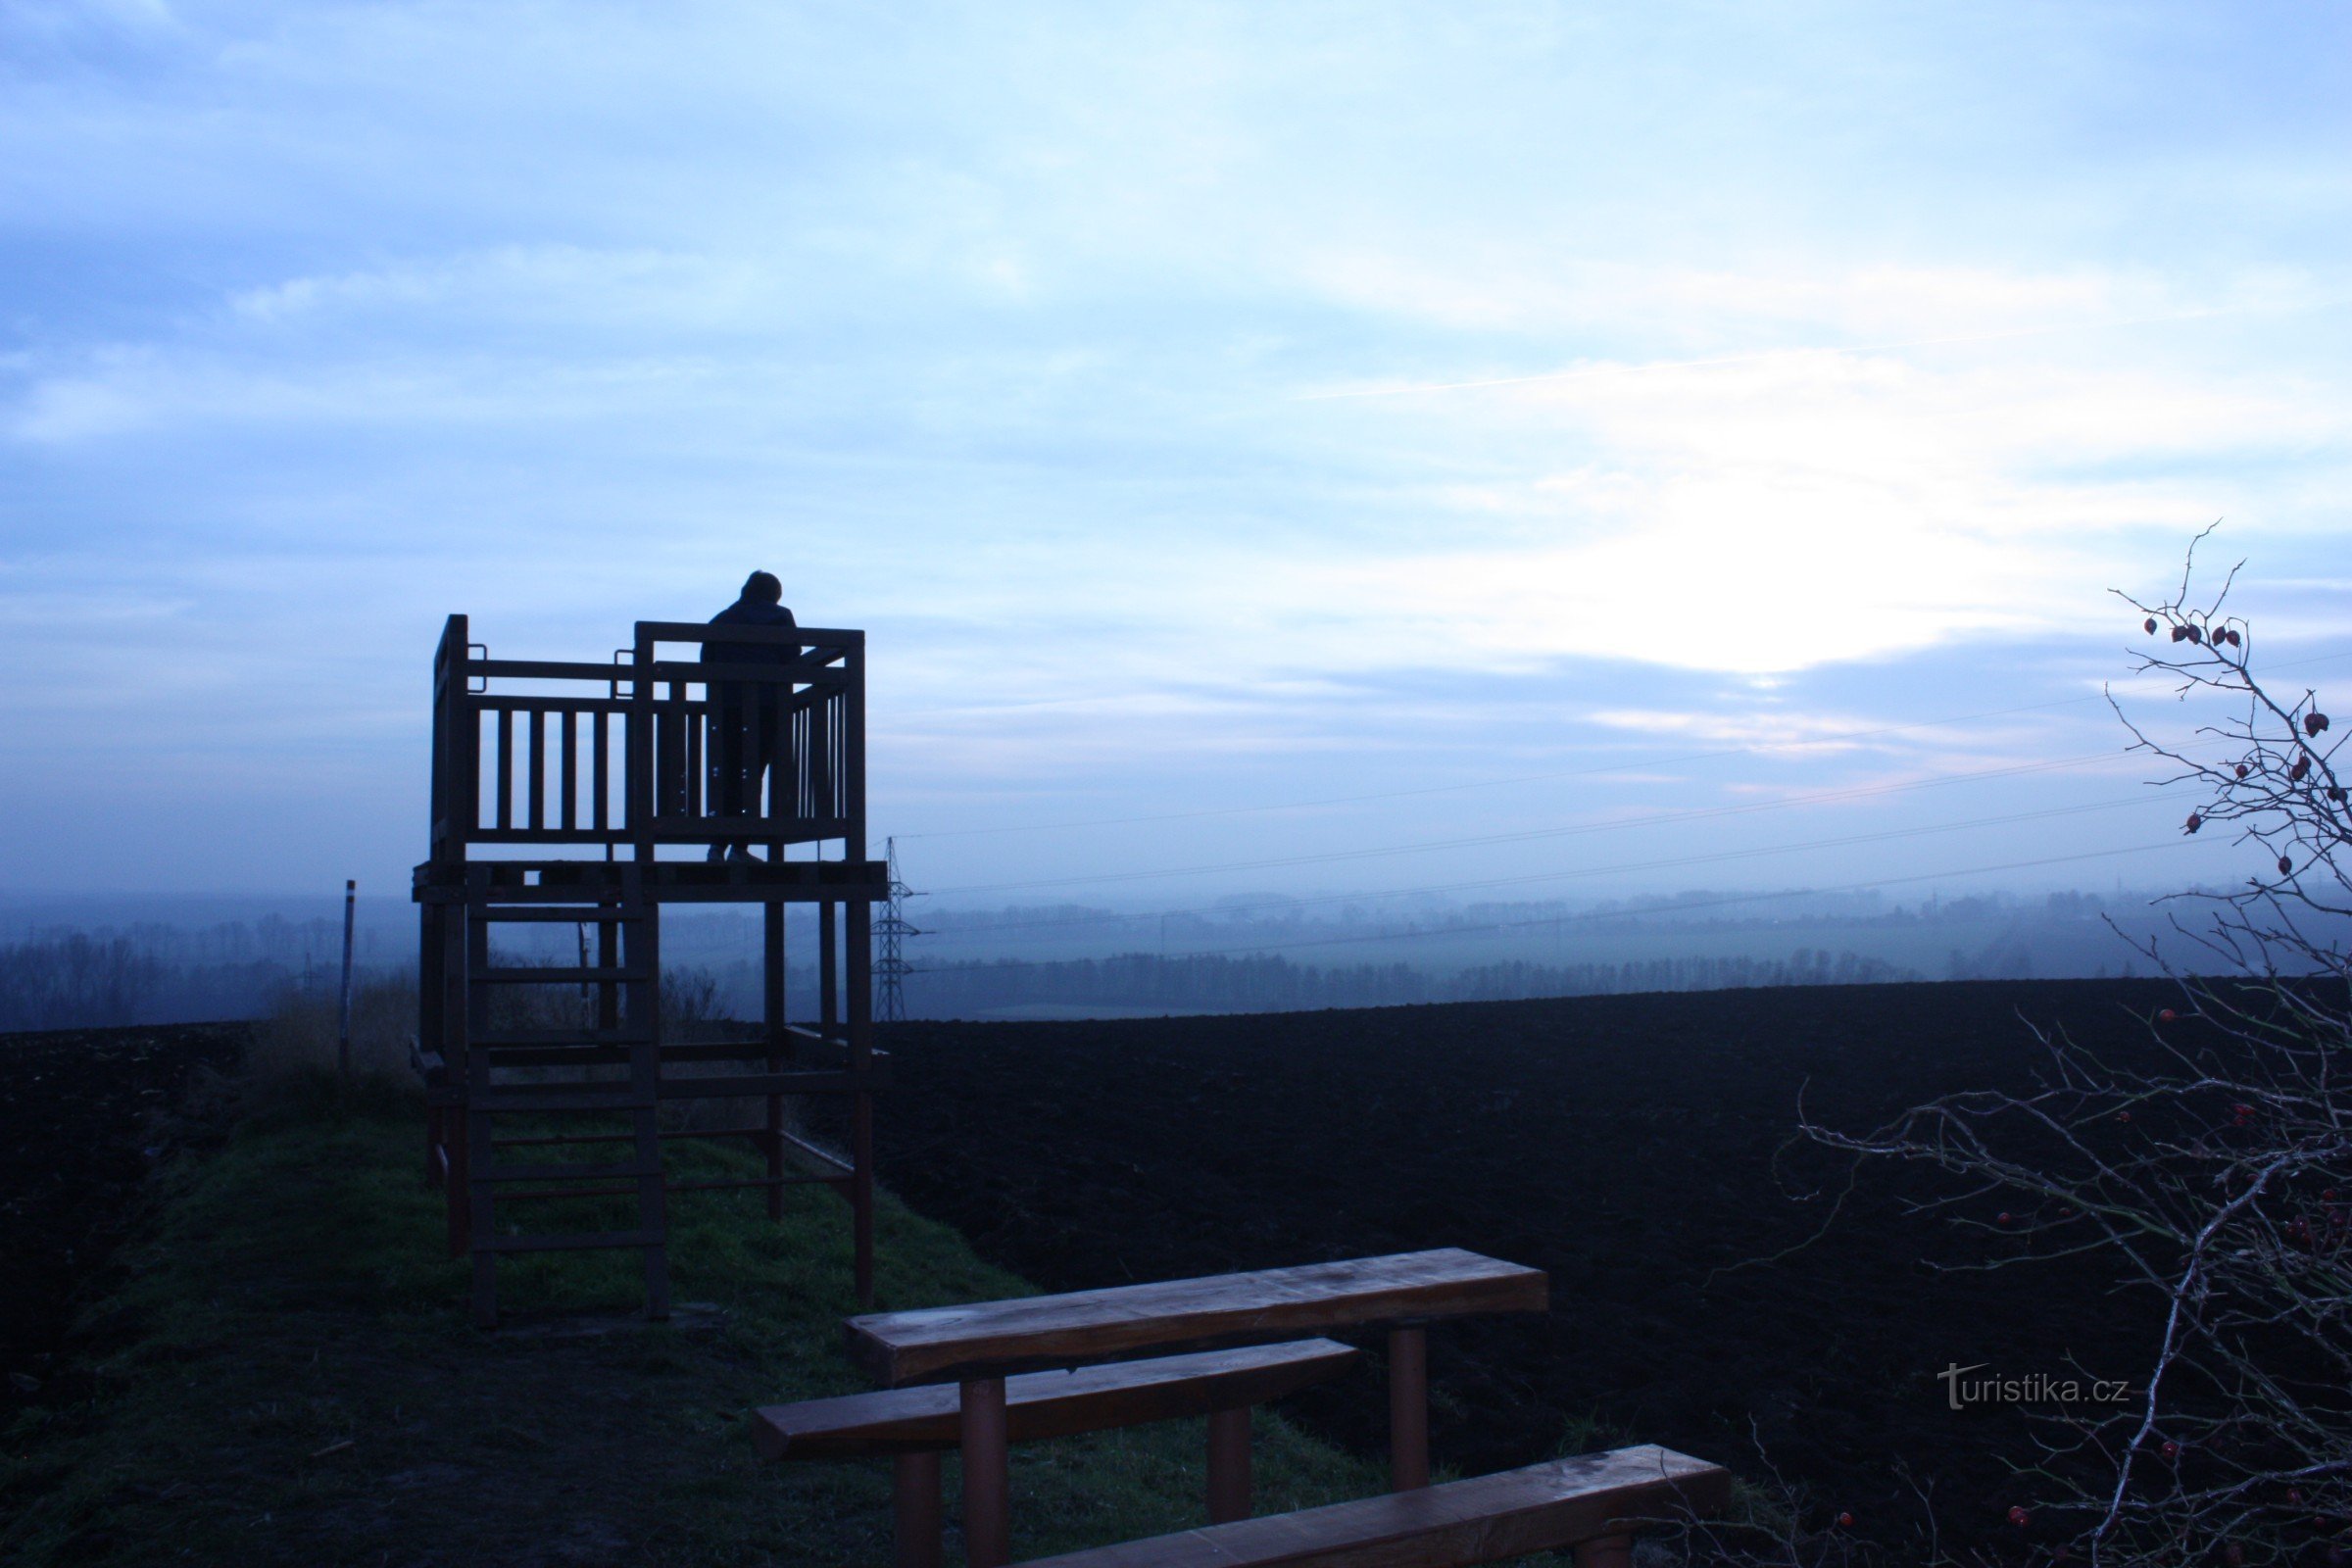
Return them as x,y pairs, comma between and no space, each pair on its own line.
994,1338
1047,1404
1542,1508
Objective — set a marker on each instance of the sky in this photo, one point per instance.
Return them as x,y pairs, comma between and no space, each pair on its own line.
1569,449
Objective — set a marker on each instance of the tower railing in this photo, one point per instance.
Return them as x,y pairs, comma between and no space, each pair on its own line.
637,753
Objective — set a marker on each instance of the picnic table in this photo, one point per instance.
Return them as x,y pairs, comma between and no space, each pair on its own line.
978,1345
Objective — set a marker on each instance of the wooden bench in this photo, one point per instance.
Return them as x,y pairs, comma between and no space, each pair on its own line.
917,1424
1589,1503
980,1344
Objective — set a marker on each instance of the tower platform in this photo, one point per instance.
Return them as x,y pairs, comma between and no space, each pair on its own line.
590,795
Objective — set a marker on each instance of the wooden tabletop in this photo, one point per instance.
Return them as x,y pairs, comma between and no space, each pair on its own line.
987,1338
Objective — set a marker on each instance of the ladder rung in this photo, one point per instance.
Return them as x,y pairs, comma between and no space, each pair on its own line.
507,901
576,1242
491,1039
583,1171
630,1138
590,914
506,1101
573,1191
519,975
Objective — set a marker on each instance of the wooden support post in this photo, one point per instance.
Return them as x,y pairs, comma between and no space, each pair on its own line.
1408,1409
987,1475
772,974
1228,1465
828,969
914,1491
861,1109
1606,1551
862,1197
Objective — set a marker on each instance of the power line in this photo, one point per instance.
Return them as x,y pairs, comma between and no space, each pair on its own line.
1678,908
1485,884
1724,900
1654,819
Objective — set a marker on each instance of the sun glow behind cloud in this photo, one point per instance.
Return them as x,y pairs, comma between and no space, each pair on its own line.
1194,405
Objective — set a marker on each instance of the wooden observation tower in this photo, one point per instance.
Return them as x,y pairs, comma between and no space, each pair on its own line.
586,796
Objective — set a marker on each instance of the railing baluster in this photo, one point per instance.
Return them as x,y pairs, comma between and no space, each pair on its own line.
506,768
600,772
571,769
537,814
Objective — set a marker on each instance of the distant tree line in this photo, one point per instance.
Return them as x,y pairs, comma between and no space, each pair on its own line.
1268,983
84,980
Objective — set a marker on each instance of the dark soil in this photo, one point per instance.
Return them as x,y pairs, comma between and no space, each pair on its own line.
84,1114
1637,1147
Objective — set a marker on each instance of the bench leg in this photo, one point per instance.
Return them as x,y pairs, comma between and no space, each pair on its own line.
987,1475
914,1487
1607,1551
1408,1409
1228,1465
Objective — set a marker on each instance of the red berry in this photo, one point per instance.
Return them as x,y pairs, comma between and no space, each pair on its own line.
2018,1516
2335,793
2123,1115
2194,822
2235,638
2243,1113
2196,634
2166,1015
2171,1450
2286,868
2312,724
2180,634
2005,1217
1846,1521
2151,625
2294,774
2242,770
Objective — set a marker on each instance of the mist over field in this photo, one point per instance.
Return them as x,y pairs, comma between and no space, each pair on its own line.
94,963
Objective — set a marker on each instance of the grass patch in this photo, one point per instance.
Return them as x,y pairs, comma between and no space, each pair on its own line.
286,1374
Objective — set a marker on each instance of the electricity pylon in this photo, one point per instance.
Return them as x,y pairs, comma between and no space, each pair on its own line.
891,967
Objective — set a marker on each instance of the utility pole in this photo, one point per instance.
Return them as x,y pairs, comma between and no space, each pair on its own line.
351,892
891,967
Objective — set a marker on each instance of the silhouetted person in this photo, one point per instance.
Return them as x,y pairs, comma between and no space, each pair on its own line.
745,724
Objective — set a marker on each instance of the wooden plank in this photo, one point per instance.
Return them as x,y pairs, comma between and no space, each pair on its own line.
538,669
766,1083
571,785
515,974
599,768
545,702
810,1151
573,1242
569,1171
1049,1404
537,814
939,1343
626,1035
516,1102
506,768
1544,1507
